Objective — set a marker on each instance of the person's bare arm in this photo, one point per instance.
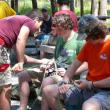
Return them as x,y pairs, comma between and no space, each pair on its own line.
32,60
72,69
104,83
20,48
82,68
21,43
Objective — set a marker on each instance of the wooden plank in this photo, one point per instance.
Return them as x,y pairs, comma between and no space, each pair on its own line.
47,48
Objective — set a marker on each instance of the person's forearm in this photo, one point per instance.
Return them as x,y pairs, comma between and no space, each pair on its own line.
29,59
20,48
21,43
71,70
105,83
82,68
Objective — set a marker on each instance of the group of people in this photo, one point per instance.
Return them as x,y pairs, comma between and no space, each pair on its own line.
76,52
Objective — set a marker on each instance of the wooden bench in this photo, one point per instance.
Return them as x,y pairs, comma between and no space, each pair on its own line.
47,48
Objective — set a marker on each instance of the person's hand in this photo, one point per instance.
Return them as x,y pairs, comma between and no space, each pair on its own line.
46,66
45,61
18,67
61,71
64,88
82,84
43,67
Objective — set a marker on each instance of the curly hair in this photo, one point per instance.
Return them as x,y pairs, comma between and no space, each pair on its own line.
63,20
98,32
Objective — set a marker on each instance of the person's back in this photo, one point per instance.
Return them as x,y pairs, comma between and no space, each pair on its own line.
9,32
6,10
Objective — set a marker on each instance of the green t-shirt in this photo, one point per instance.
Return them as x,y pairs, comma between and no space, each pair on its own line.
59,46
67,51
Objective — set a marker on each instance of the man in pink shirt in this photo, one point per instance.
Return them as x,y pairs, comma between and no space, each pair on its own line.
14,31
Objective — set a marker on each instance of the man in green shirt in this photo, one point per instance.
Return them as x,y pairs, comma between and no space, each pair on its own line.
66,52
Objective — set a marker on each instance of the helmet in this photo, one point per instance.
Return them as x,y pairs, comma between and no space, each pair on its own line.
86,24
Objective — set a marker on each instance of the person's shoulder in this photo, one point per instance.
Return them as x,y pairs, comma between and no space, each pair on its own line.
2,3
23,17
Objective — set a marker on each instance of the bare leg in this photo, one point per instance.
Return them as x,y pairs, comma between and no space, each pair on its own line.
44,103
50,93
24,90
91,104
5,94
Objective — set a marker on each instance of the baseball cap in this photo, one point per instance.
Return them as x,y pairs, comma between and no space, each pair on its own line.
86,24
44,9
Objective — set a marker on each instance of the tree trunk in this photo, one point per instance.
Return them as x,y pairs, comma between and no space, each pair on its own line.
108,1
94,7
76,4
14,5
81,8
72,5
34,4
103,8
53,6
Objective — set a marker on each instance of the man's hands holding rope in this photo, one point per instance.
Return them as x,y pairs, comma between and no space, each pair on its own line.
46,65
79,84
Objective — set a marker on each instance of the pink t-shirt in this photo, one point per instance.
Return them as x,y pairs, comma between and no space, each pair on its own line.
72,16
10,28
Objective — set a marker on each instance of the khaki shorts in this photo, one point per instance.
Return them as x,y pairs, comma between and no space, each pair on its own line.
5,77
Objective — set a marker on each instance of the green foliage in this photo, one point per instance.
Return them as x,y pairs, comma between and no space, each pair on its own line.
25,10
26,5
